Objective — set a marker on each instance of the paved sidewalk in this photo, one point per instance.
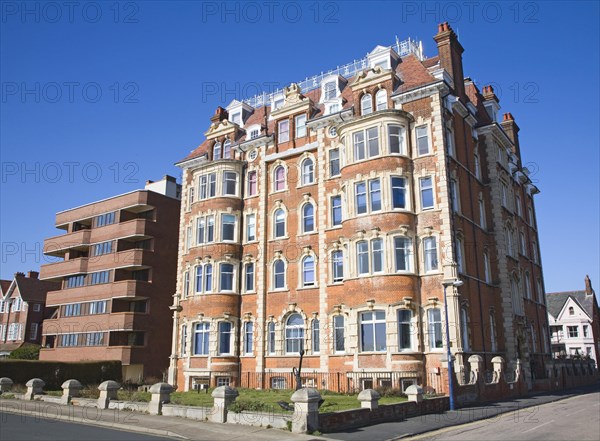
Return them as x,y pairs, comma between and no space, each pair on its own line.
427,423
173,427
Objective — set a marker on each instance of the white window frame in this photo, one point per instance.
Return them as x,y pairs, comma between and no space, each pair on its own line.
422,132
366,104
300,126
283,131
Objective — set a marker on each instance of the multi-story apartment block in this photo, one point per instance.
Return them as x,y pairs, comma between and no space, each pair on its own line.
325,218
117,277
22,309
574,319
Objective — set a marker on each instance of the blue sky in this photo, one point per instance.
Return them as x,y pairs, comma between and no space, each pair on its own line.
99,98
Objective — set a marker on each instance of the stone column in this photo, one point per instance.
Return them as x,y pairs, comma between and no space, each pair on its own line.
414,393
306,410
476,364
369,399
498,363
161,394
71,389
108,391
223,397
5,385
34,387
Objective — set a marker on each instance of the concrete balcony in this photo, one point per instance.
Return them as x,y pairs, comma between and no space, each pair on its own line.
58,270
59,245
122,289
141,228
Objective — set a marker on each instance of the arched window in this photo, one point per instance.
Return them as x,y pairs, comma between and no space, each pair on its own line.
279,178
316,336
493,333
464,326
279,221
308,271
381,100
339,341
514,290
208,277
308,172
227,150
271,337
198,279
308,218
527,287
225,334
366,104
487,272
217,151
248,338
294,334
278,274
571,310
434,327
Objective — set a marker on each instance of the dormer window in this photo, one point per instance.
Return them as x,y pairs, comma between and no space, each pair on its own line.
334,108
236,118
254,133
278,102
330,90
492,110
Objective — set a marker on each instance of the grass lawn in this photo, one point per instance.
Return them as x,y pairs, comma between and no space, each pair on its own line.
249,399
266,400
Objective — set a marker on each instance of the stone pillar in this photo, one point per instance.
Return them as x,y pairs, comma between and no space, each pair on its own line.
34,387
223,397
71,389
161,394
476,364
108,391
5,385
306,410
414,393
369,399
498,363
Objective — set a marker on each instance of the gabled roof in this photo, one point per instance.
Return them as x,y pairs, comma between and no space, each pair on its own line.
556,301
31,289
4,285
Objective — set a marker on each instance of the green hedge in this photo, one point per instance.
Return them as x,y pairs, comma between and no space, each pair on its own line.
54,373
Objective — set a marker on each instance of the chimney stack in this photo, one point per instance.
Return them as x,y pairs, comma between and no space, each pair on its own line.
19,274
450,53
588,286
220,115
32,274
511,129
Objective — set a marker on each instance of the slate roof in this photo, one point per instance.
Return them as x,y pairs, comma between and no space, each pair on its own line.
556,300
32,290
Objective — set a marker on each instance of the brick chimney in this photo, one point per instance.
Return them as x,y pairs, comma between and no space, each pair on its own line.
19,274
588,286
450,53
511,129
220,115
32,274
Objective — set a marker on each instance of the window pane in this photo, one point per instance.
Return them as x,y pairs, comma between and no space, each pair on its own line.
300,126
284,131
373,140
402,248
308,176
308,271
224,337
336,210
366,104
404,329
279,272
337,258
308,218
338,331
252,183
396,139
334,162
316,336
361,197
362,249
226,277
426,193
398,192
228,227
422,140
250,227
375,194
279,178
359,146
377,251
229,183
249,277
431,260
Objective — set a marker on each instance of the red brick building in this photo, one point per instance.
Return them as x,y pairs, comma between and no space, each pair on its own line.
326,217
22,310
116,280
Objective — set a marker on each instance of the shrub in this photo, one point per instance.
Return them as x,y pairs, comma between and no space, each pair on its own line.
54,373
25,352
250,405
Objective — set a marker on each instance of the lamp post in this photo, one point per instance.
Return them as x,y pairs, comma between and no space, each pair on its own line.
446,284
